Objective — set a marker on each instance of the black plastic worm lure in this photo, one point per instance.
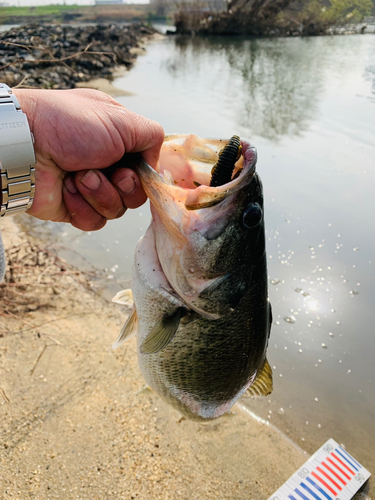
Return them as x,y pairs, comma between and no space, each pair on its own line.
223,170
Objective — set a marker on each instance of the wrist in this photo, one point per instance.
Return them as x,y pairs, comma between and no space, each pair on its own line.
28,103
16,155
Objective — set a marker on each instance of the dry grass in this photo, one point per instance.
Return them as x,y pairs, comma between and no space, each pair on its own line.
34,277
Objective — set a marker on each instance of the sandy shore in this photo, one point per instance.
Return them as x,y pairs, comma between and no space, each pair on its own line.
104,85
73,425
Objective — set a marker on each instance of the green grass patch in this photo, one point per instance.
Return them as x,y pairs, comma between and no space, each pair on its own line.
44,10
85,13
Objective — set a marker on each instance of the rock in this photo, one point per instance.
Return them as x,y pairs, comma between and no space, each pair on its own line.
60,56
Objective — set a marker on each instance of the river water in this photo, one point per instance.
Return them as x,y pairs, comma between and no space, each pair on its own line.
308,105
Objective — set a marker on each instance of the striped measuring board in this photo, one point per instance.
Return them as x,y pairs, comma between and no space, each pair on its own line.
330,474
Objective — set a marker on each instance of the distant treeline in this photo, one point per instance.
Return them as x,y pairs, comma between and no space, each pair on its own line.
271,17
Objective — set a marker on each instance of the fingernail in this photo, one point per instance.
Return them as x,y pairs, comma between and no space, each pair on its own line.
126,185
70,185
91,180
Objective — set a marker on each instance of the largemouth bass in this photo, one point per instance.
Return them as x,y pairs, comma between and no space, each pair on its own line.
199,282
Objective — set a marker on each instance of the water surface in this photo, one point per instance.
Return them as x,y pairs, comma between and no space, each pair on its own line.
308,105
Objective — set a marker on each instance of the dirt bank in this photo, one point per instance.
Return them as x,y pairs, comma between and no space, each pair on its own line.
60,57
73,425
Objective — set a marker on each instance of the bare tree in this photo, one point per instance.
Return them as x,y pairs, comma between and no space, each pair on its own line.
274,17
261,9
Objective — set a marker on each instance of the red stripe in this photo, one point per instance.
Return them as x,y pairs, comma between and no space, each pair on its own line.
338,468
329,478
334,473
342,463
323,482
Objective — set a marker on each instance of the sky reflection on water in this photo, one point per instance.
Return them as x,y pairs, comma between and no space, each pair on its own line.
309,107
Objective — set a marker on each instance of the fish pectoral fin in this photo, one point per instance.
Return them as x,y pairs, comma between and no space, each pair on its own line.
128,330
263,384
124,297
163,332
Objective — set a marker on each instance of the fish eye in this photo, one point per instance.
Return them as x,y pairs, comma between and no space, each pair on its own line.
252,216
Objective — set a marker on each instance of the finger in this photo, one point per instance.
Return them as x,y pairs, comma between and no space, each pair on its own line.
129,187
82,215
149,139
98,191
139,134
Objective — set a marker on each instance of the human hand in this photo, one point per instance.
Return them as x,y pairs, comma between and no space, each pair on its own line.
77,134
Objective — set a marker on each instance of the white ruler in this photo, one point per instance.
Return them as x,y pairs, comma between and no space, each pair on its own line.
330,474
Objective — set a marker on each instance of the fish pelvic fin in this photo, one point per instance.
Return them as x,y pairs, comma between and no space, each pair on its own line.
128,330
263,385
163,332
124,297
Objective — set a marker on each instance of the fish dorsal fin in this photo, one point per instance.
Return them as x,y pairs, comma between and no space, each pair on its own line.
162,333
262,385
128,330
124,297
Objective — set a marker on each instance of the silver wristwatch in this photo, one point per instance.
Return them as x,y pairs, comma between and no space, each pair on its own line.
17,158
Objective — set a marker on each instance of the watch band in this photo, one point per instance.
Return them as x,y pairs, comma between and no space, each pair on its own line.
17,158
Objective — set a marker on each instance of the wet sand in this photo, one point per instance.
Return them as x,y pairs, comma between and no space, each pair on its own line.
73,425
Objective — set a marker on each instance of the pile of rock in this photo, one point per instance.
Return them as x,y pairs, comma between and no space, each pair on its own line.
60,56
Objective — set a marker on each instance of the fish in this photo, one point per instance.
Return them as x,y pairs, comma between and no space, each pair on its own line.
201,311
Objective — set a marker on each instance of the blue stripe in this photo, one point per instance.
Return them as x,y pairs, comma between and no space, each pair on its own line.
310,491
318,488
291,497
301,494
351,458
344,457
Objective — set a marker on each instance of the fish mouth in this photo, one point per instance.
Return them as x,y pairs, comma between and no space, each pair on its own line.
207,196
184,172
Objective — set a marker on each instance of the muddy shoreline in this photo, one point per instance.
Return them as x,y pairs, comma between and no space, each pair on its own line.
64,57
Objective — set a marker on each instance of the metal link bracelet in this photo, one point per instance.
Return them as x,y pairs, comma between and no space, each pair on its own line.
17,158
